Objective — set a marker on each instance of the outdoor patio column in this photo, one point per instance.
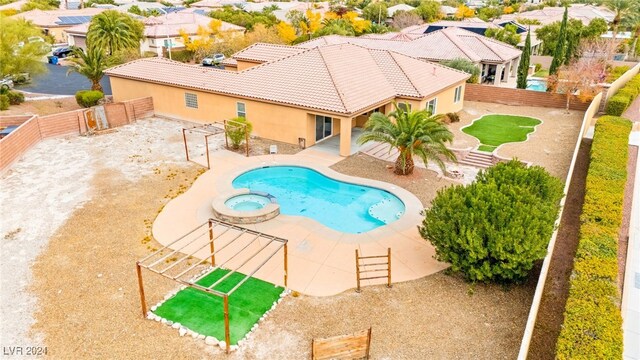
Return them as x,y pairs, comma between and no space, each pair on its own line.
507,72
482,73
345,137
496,79
514,67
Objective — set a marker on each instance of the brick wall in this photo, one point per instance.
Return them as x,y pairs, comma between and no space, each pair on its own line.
18,141
33,128
520,97
14,120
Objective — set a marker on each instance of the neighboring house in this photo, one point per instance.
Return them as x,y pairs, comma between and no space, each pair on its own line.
285,7
56,22
480,27
400,7
161,32
307,97
448,11
216,4
548,15
259,53
498,61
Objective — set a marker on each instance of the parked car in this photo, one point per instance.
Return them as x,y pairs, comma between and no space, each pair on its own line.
6,83
215,59
62,52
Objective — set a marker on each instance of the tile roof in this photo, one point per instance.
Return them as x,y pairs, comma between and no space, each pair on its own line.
263,52
51,18
345,79
445,44
548,15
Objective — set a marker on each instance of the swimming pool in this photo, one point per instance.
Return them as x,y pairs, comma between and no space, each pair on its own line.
339,205
537,85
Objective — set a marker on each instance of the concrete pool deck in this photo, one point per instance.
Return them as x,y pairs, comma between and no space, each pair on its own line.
321,260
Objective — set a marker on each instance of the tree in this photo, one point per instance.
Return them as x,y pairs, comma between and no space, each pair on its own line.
201,44
375,12
237,130
523,68
287,32
464,12
559,52
496,228
429,10
40,5
17,53
310,23
621,8
507,34
245,19
91,64
112,30
403,19
411,133
489,13
464,65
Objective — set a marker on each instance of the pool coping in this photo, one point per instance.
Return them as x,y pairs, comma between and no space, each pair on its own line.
225,213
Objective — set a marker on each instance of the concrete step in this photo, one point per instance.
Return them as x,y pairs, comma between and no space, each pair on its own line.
478,164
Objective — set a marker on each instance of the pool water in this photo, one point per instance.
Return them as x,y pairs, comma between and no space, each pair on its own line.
247,202
339,205
537,85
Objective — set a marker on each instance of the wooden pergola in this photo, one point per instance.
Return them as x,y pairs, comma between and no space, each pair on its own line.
206,130
198,239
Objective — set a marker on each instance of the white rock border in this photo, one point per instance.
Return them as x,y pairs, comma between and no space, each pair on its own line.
209,340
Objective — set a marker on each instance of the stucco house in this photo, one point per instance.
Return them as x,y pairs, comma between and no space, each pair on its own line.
497,61
56,22
160,32
305,97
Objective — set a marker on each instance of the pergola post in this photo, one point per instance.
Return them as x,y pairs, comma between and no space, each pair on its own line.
141,289
213,253
226,140
227,336
285,265
206,149
184,138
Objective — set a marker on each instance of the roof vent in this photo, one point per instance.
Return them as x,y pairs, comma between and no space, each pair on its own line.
434,71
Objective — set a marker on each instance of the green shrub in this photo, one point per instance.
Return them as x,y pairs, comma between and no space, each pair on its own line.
497,227
451,118
15,97
237,130
538,67
464,65
592,327
88,98
617,104
616,72
4,102
181,55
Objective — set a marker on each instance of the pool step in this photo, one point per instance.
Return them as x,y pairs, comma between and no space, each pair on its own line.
382,212
478,159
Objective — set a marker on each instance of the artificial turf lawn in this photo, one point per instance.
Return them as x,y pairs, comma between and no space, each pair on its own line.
203,312
495,130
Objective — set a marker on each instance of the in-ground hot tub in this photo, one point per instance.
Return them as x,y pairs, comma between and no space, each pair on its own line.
243,206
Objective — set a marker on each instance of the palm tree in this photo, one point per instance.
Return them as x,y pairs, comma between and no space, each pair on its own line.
621,8
91,64
112,30
412,133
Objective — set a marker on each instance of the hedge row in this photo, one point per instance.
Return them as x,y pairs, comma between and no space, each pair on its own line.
619,102
592,327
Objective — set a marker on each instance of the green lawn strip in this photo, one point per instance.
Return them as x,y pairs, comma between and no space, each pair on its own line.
542,73
203,312
487,148
495,130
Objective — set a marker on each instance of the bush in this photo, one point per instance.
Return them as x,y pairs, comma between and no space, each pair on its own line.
15,97
464,65
616,72
538,67
4,102
237,130
181,55
617,104
494,229
88,98
592,327
451,118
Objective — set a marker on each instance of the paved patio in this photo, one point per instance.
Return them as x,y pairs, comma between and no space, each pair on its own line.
321,260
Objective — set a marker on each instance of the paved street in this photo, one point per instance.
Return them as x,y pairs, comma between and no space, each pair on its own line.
55,81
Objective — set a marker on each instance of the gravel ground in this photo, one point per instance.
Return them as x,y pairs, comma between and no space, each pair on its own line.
42,107
423,183
50,183
259,146
549,146
556,289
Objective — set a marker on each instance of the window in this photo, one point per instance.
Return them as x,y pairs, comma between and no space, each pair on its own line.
458,94
404,106
432,105
191,100
324,127
241,110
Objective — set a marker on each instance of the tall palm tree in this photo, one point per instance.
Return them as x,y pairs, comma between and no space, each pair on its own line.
91,64
112,30
412,133
621,8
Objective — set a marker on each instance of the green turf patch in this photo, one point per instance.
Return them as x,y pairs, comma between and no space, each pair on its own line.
203,312
495,130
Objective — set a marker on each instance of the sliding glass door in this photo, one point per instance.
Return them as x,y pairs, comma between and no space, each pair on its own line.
324,127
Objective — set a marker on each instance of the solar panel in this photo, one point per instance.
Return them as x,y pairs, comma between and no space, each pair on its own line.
200,12
73,20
